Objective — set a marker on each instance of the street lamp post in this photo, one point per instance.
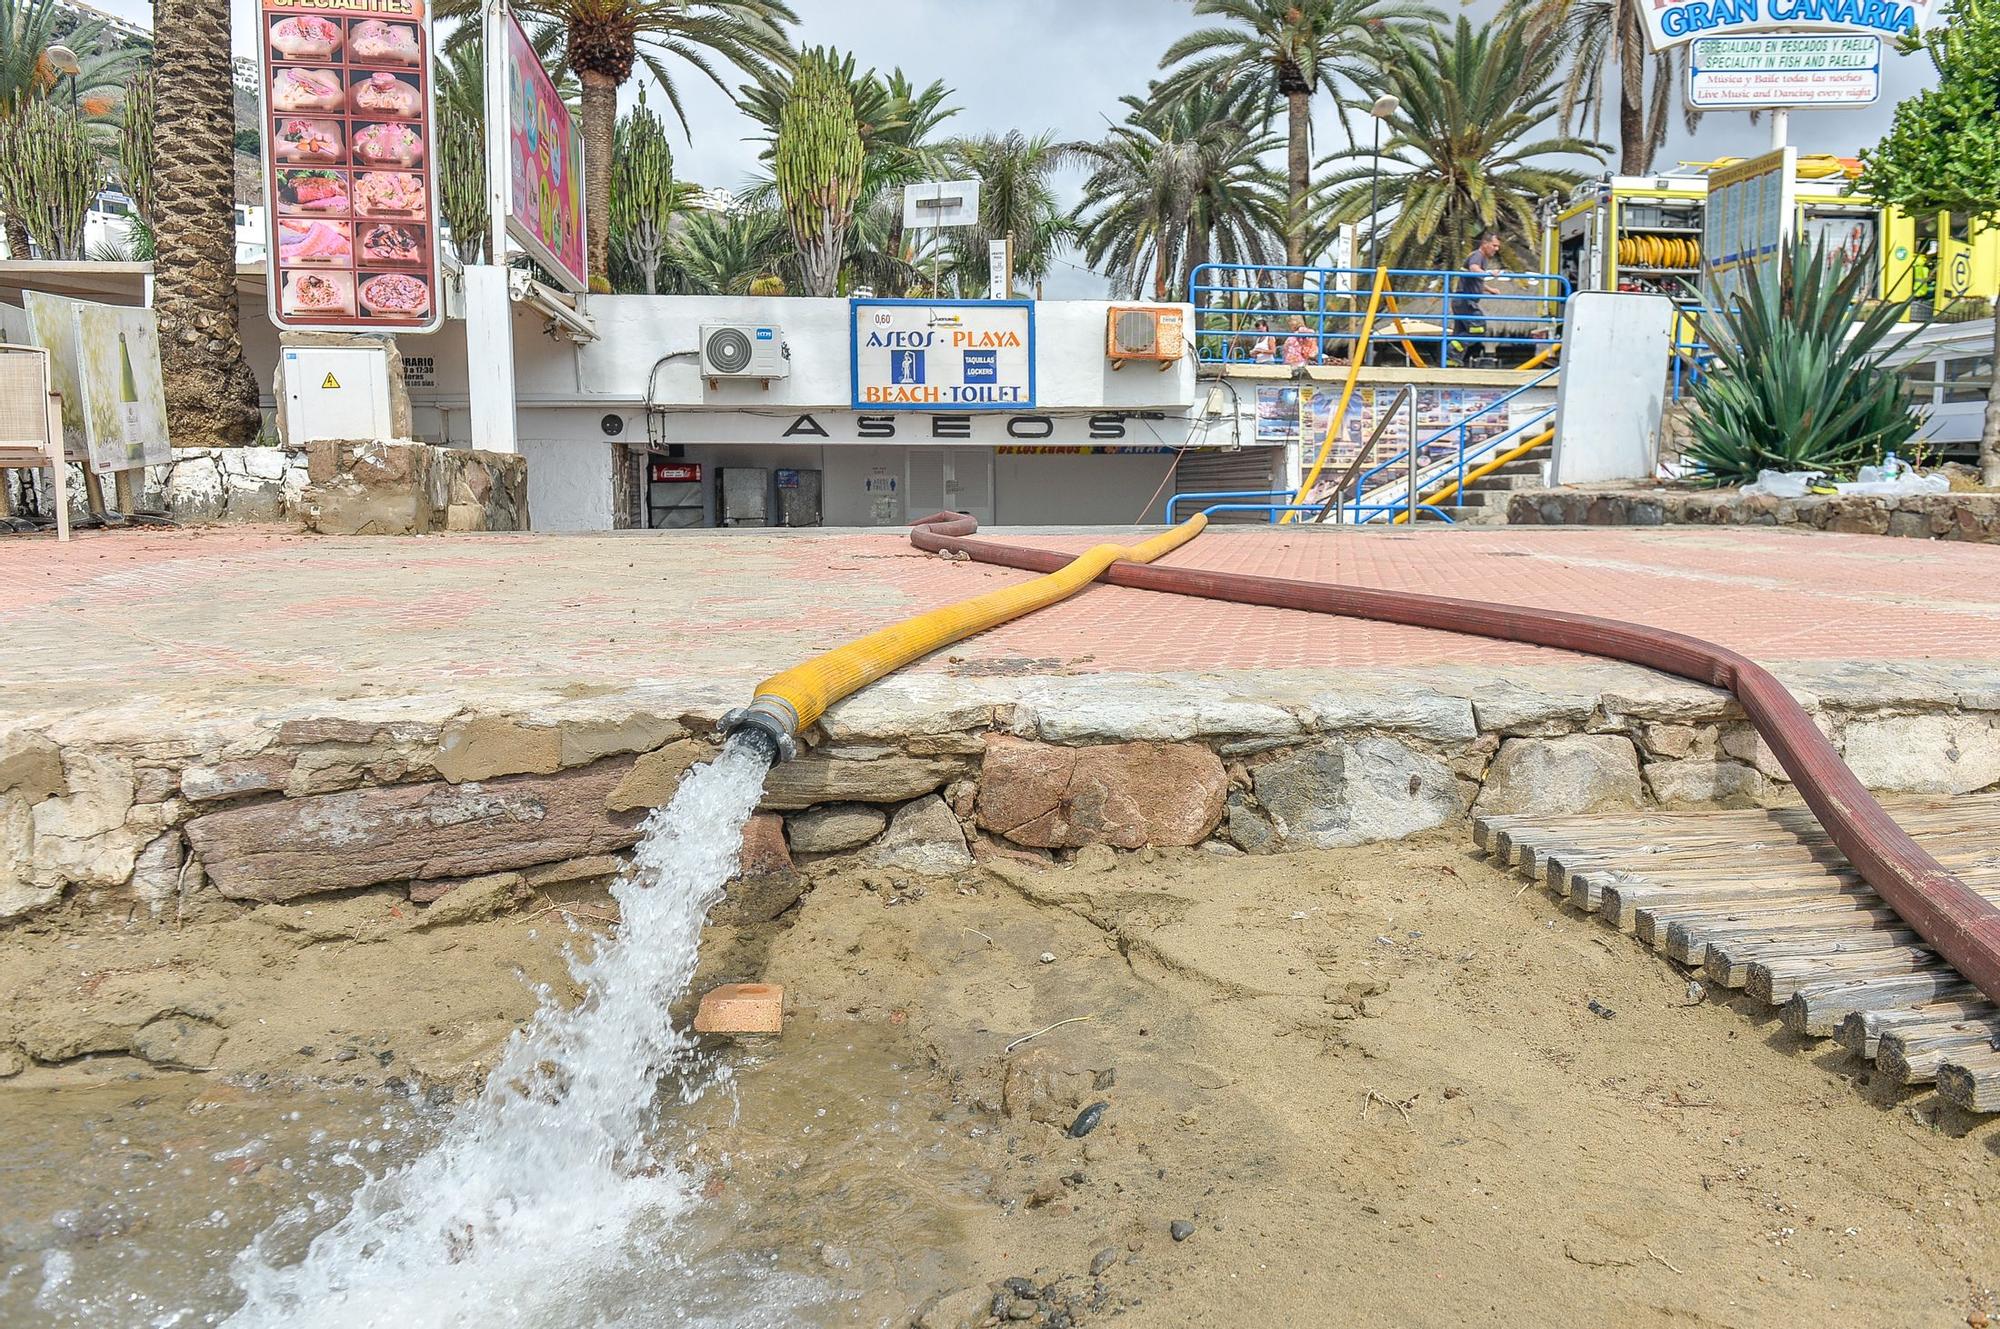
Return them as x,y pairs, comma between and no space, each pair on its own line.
1385,106
65,63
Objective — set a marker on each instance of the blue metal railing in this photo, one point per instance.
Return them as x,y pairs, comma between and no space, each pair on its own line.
1462,455
1274,510
1690,356
1353,507
1231,300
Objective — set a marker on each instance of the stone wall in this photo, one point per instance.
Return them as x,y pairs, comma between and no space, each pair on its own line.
204,485
374,488
172,820
1953,516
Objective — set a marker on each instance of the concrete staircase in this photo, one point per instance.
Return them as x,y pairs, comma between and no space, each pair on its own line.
1484,501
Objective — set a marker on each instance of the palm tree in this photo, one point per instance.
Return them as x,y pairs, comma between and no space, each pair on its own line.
1601,33
604,40
1017,200
1459,158
211,393
718,253
1181,182
1287,50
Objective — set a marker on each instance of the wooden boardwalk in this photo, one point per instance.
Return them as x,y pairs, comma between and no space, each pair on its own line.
1761,901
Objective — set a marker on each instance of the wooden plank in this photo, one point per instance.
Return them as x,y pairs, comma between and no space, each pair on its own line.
1484,828
1972,846
1971,856
1691,933
1861,1031
1773,979
1971,1079
1726,961
1623,902
1817,1008
1653,923
1913,1053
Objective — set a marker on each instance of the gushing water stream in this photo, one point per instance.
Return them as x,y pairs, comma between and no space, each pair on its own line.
550,1177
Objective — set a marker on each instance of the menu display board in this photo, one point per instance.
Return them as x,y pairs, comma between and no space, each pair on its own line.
348,153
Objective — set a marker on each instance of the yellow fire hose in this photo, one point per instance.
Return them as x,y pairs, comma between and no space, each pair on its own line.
789,703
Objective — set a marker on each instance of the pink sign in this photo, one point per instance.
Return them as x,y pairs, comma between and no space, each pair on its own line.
545,164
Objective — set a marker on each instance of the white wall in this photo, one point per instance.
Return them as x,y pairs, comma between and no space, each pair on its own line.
569,484
635,331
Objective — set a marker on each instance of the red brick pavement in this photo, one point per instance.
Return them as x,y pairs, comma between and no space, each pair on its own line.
120,610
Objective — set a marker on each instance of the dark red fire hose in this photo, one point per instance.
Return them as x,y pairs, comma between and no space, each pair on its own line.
1956,921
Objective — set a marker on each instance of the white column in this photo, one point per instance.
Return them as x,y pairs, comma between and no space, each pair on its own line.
1781,120
489,357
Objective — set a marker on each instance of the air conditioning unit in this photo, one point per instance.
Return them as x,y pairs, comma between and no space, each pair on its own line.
744,350
1144,332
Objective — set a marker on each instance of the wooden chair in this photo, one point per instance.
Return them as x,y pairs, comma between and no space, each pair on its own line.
31,432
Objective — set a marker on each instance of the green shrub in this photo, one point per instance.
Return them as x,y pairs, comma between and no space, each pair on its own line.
1798,383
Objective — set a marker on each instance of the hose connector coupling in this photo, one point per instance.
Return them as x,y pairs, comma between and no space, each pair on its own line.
769,724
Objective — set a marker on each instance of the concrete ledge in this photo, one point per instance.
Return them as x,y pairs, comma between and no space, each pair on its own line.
1954,516
162,819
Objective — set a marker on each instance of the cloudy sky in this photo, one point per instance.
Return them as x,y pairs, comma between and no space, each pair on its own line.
1061,65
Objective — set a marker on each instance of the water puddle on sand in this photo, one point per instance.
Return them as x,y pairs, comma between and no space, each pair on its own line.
610,1173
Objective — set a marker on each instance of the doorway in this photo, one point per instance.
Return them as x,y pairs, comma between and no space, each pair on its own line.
951,480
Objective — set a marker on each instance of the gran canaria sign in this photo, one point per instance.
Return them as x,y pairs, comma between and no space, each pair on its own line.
1671,22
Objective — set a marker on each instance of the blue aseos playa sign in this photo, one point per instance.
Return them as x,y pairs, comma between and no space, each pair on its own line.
1671,22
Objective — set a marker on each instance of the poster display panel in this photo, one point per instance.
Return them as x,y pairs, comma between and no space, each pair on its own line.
124,398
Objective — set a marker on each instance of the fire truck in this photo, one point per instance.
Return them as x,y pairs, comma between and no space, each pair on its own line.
1644,233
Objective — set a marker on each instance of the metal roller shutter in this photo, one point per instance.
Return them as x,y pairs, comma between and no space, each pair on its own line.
1216,471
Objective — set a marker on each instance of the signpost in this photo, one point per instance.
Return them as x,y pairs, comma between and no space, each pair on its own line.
1000,268
943,355
935,205
349,147
1754,72
1748,224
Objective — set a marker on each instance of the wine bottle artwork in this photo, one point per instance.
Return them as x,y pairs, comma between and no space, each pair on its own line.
131,416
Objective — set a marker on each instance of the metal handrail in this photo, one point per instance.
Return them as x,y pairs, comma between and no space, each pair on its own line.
1374,437
1459,428
1276,508
1172,517
1457,318
1686,357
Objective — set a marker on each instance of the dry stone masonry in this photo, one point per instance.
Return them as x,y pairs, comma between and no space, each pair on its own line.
166,820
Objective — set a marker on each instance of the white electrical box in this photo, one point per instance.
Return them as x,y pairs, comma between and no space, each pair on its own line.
336,392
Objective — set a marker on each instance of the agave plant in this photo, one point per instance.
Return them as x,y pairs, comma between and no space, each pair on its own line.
1799,383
